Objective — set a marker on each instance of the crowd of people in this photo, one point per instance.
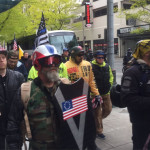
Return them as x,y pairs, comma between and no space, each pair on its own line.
69,96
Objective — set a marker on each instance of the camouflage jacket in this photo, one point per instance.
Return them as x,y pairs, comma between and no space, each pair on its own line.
40,112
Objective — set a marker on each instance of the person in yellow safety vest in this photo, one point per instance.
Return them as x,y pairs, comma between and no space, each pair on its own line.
104,80
33,73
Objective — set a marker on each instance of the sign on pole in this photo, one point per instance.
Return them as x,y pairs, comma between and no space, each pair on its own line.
87,14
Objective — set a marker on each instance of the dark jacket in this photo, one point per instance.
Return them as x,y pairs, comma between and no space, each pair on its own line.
103,76
64,59
127,57
89,56
21,68
27,63
7,92
134,94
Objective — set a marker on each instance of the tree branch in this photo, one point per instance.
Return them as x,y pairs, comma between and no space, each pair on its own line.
145,8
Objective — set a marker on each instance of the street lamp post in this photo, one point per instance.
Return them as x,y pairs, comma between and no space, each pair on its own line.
110,33
110,36
83,25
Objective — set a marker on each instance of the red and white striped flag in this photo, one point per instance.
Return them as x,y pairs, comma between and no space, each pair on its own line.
74,107
1,48
15,44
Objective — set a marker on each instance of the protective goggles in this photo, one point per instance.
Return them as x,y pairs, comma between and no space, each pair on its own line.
49,61
100,57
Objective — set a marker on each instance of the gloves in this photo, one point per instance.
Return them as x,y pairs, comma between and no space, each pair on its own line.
97,101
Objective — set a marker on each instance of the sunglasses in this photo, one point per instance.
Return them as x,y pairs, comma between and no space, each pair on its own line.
49,61
100,57
79,55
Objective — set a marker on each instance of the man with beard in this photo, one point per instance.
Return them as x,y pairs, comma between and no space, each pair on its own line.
42,108
135,94
77,67
10,81
33,73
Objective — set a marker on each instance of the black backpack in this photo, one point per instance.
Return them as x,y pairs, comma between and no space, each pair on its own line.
116,91
115,96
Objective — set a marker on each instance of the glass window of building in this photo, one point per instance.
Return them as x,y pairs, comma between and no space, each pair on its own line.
103,11
115,8
99,12
126,6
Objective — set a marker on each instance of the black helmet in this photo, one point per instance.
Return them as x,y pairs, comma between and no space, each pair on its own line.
129,49
76,50
115,96
99,52
3,52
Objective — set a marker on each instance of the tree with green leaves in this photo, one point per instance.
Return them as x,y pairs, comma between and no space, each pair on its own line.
24,18
140,10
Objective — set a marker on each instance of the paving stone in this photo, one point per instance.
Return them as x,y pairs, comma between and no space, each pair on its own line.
118,131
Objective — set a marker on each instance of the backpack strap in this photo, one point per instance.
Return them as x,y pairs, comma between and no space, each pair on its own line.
143,81
25,96
25,93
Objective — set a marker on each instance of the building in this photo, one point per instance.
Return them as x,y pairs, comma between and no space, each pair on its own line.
94,36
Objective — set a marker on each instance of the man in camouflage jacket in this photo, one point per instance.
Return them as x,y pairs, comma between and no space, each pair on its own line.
42,111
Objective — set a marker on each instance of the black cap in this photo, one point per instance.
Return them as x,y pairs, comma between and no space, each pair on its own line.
76,50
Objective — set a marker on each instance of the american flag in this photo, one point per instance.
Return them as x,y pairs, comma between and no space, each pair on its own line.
15,44
1,48
42,37
74,107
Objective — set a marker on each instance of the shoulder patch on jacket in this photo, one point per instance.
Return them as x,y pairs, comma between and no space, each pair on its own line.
126,83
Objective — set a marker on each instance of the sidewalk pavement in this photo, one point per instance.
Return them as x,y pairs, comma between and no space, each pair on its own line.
118,131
